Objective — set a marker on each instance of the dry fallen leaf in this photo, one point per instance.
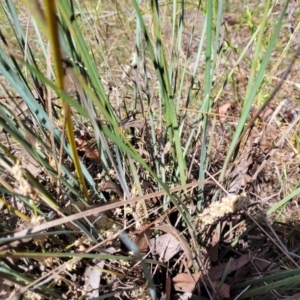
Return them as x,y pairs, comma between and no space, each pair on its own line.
231,19
215,273
223,291
93,154
166,246
83,145
185,282
142,241
223,109
187,296
92,277
180,238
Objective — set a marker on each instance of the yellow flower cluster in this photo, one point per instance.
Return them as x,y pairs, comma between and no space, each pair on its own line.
24,187
219,209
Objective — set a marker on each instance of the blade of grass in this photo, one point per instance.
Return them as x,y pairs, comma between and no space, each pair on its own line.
165,86
206,96
53,34
253,86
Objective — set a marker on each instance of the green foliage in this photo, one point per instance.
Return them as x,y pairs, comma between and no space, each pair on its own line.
172,143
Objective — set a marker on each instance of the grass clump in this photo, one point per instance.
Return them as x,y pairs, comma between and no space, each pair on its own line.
149,150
